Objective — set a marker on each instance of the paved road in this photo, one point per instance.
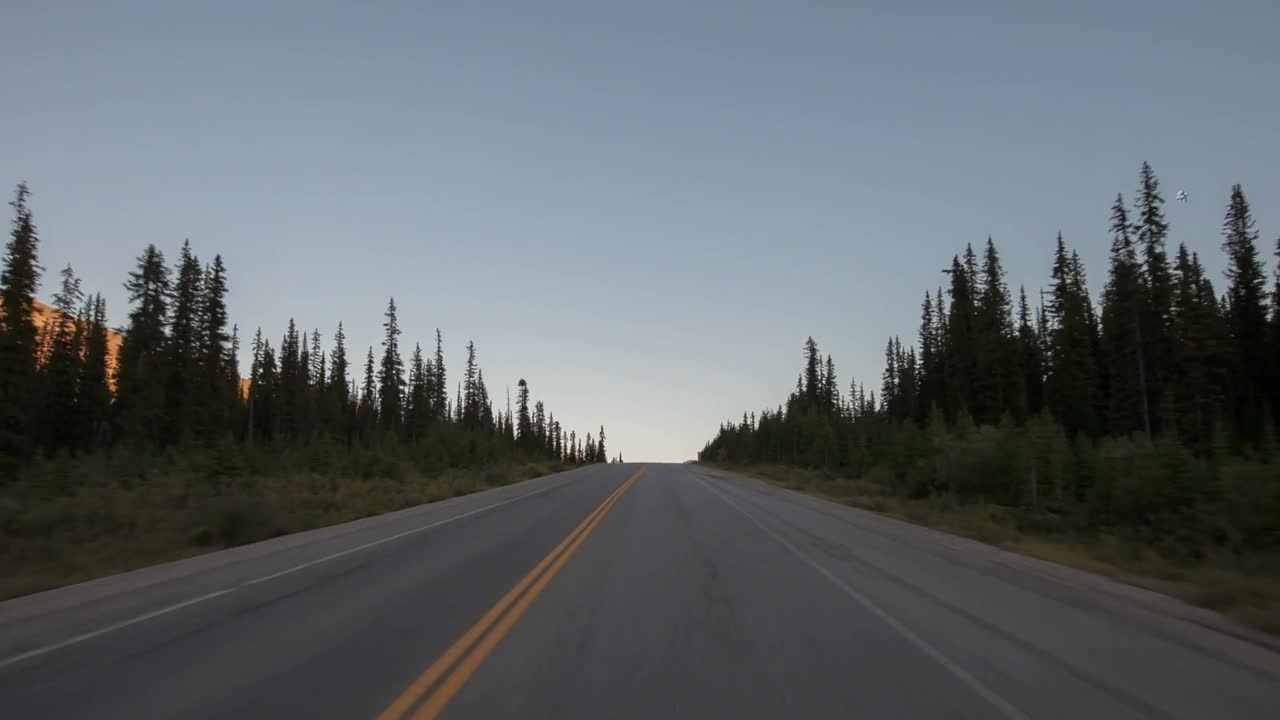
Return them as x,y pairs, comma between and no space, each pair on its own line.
617,591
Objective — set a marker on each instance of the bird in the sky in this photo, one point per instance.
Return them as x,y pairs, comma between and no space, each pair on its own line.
1181,196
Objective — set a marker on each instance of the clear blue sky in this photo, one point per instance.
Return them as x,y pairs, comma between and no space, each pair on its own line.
642,208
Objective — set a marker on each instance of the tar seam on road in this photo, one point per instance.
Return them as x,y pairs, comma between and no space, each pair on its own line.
470,650
218,593
1004,706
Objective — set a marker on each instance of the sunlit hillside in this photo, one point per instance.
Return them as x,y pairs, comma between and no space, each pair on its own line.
45,315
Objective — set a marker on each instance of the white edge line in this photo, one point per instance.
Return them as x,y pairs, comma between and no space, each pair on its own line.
110,628
387,539
1004,706
218,593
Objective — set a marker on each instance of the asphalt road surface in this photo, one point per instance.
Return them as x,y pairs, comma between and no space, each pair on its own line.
620,591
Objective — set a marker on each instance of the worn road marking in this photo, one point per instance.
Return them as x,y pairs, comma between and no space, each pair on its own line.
1004,706
110,628
218,593
517,600
389,538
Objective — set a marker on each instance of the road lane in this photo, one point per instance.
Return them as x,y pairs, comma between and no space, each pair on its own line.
1017,635
42,620
707,597
690,594
335,640
680,608
437,685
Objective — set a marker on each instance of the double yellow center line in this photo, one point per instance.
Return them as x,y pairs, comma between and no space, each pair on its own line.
466,655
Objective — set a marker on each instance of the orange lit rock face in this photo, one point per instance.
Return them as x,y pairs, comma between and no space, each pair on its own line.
46,315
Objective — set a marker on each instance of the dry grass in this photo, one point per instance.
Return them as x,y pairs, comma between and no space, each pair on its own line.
101,528
1244,588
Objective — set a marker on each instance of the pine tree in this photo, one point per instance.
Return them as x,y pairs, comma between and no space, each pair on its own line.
930,372
1195,330
1215,330
213,319
1249,372
416,402
812,381
367,414
971,266
339,415
484,407
889,384
255,378
306,416
1157,280
995,379
1093,327
907,380
601,455
94,400
1275,338
429,410
217,392
942,336
831,390
19,280
60,375
959,341
235,391
391,376
267,394
292,384
524,423
539,425
1072,381
339,365
1030,358
511,425
471,405
182,356
1123,311
308,392
318,381
441,400
139,396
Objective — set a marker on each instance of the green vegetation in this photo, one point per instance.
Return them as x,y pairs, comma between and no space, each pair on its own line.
1135,435
75,519
113,459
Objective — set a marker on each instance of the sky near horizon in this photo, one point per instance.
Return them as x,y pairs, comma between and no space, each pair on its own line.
641,208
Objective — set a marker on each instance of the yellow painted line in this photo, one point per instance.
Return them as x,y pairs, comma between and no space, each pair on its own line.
452,684
538,578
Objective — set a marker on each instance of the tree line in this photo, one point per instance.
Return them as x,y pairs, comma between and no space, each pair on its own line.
175,381
1152,408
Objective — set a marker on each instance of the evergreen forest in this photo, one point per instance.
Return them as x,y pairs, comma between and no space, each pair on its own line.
1146,414
129,444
